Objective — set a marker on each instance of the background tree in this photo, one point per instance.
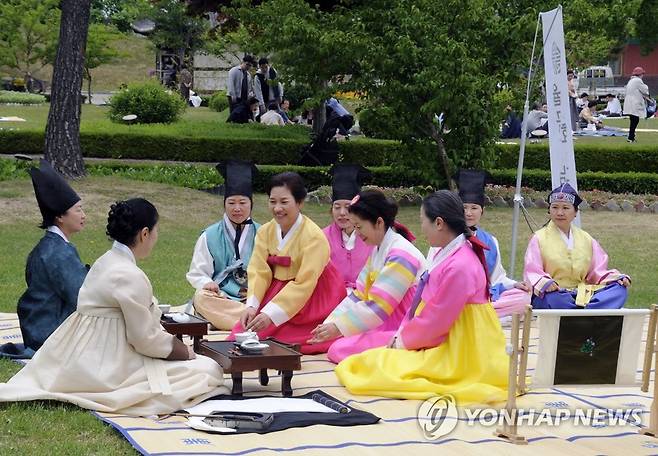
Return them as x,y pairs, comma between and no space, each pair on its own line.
594,30
438,69
175,28
27,29
646,27
62,147
99,50
118,13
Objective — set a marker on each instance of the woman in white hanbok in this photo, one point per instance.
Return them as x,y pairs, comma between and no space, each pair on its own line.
111,354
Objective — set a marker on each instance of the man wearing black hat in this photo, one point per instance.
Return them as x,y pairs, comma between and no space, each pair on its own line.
54,272
222,252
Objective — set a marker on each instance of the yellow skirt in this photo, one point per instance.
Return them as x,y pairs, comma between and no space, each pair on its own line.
471,364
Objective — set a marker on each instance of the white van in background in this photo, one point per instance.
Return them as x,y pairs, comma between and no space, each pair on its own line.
598,81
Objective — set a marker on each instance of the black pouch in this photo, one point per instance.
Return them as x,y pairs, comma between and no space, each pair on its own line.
244,421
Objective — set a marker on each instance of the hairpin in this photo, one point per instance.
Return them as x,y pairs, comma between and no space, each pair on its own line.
355,200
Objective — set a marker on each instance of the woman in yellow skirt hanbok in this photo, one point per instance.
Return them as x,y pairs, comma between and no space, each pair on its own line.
451,341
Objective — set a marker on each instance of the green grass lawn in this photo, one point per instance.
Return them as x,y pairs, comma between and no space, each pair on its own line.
137,59
195,122
48,428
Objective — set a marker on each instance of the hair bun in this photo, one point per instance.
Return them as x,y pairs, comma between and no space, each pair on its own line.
126,218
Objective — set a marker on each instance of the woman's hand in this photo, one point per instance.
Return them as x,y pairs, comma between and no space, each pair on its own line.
324,332
247,315
624,281
522,286
552,287
259,322
212,286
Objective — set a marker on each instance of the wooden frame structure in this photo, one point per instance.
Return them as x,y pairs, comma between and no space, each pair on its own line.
518,364
649,353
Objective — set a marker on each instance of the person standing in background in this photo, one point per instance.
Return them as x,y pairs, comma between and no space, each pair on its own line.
635,105
239,85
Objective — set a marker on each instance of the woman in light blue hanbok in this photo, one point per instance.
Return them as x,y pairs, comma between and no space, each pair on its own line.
218,270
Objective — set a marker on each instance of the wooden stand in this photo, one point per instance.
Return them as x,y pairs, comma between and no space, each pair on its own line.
649,353
509,429
525,344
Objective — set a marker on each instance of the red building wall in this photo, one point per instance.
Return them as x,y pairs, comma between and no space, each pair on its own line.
631,57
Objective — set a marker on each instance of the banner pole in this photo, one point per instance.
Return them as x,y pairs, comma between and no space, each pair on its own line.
518,199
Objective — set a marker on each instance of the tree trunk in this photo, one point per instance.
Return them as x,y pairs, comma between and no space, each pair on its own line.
319,118
320,114
62,148
443,159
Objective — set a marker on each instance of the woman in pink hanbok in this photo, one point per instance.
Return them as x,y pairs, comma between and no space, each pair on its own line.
348,251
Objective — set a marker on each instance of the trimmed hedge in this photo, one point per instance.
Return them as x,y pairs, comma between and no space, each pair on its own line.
609,158
136,145
9,96
203,177
539,179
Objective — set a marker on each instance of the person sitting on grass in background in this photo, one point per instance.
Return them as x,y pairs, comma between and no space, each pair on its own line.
284,112
272,117
582,101
244,112
587,116
613,108
536,118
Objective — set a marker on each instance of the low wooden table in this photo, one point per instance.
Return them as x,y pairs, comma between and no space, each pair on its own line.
196,328
235,361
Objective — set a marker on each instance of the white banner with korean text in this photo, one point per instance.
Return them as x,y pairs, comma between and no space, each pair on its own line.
563,163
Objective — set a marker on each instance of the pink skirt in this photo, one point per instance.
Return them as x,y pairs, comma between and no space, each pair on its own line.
377,337
328,293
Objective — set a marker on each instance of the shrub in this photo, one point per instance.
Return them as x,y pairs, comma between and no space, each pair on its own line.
8,96
149,101
218,102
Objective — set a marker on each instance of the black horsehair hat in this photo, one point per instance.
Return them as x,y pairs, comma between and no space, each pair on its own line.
471,185
54,195
346,180
238,177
